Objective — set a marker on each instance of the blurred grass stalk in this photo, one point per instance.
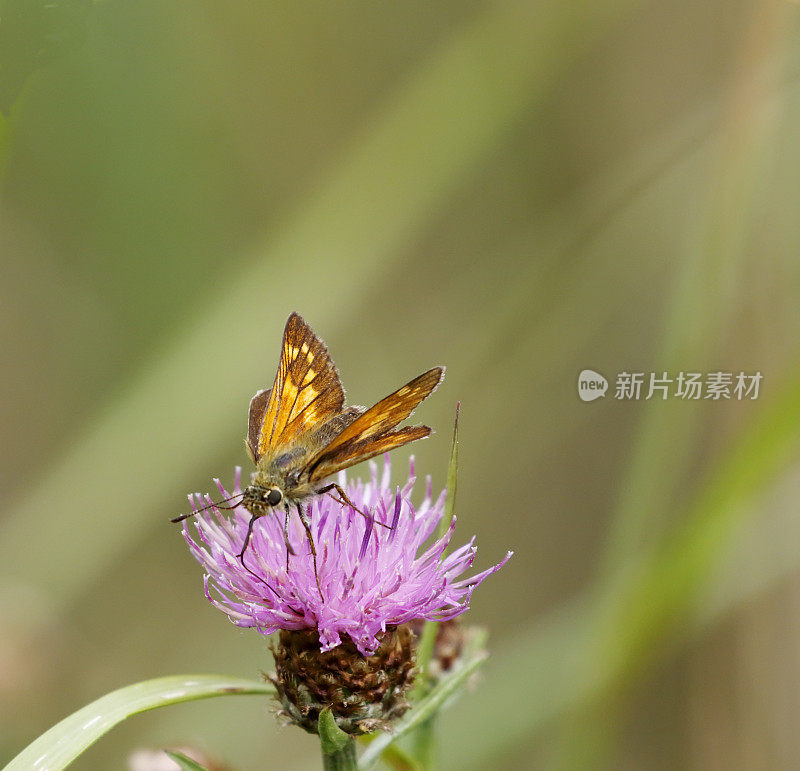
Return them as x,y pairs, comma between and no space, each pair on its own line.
582,658
676,584
698,316
654,591
438,127
708,282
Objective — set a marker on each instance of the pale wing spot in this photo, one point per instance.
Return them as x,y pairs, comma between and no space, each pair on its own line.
404,391
309,376
305,397
303,348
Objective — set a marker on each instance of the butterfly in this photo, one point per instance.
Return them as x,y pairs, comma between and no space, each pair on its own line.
300,432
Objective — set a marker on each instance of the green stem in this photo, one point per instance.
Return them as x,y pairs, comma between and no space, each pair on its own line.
424,744
343,759
338,748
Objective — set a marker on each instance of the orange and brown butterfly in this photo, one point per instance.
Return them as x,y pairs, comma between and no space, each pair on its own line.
300,432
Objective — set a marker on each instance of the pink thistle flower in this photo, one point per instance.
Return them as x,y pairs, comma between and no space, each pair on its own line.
371,577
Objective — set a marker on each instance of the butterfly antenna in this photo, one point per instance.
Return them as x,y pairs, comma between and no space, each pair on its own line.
211,505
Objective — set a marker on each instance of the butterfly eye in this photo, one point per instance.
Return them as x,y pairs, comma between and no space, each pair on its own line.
273,497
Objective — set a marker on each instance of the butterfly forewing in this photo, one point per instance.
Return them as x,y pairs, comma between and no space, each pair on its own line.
306,392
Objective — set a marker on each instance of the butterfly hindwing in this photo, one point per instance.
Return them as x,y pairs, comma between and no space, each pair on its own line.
306,393
355,451
258,406
324,434
375,427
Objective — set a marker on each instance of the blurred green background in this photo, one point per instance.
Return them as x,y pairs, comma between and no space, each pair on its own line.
517,190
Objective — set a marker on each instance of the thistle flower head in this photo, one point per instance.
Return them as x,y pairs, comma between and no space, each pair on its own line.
372,576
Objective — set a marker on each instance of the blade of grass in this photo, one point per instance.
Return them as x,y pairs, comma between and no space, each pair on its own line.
185,763
422,741
430,629
65,741
452,479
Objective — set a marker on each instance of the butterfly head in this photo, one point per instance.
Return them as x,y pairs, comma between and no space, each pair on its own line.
259,500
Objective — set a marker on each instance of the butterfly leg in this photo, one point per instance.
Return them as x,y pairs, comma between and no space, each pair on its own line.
247,539
289,549
344,500
307,526
244,549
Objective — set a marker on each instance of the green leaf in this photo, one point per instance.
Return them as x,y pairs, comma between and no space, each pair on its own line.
424,710
427,639
59,746
186,763
452,478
